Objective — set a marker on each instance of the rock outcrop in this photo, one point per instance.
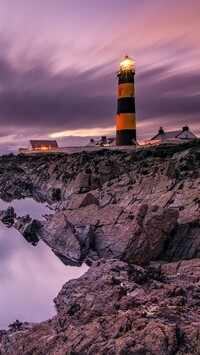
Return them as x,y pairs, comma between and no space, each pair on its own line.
110,231
29,228
133,216
115,308
8,216
107,193
188,270
60,235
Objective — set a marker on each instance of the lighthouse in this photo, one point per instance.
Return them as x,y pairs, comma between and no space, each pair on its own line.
126,122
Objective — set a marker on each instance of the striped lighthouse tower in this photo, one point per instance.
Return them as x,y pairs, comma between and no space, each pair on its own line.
126,123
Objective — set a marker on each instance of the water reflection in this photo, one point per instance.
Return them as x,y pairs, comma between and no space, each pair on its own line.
38,196
30,277
27,206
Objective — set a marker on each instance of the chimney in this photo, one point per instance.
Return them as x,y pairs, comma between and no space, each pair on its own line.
161,130
103,138
185,128
91,140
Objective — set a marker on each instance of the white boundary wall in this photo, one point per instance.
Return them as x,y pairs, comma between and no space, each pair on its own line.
72,150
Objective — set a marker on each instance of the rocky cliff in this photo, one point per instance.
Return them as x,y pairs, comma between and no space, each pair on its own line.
124,209
115,308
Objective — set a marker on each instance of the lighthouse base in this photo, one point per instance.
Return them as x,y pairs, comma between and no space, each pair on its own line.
126,137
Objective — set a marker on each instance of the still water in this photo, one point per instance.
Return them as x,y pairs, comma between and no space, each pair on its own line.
30,277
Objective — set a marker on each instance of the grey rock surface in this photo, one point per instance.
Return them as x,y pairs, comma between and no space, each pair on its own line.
29,228
116,209
106,191
8,216
60,235
110,231
188,270
115,308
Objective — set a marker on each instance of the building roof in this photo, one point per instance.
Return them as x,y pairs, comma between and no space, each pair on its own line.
167,135
101,142
38,143
174,134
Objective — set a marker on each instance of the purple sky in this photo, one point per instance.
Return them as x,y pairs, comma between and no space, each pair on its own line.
59,58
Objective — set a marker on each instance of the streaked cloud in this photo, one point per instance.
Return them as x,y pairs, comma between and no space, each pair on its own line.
58,66
85,132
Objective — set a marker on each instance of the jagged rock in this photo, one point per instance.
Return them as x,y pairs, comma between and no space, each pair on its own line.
184,243
112,232
60,235
80,200
141,238
172,171
121,188
23,175
8,216
89,199
188,270
154,227
56,194
86,238
123,205
14,183
29,228
115,309
136,239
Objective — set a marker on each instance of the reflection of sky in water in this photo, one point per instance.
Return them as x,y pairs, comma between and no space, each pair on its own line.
27,206
30,277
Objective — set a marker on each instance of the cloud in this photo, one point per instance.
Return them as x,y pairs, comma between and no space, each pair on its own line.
64,78
38,96
84,132
167,93
36,101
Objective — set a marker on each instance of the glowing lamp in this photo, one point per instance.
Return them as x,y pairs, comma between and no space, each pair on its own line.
127,63
42,147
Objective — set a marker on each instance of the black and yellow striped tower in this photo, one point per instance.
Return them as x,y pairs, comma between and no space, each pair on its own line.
126,123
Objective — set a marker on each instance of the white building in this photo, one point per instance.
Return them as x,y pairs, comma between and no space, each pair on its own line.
171,137
103,142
